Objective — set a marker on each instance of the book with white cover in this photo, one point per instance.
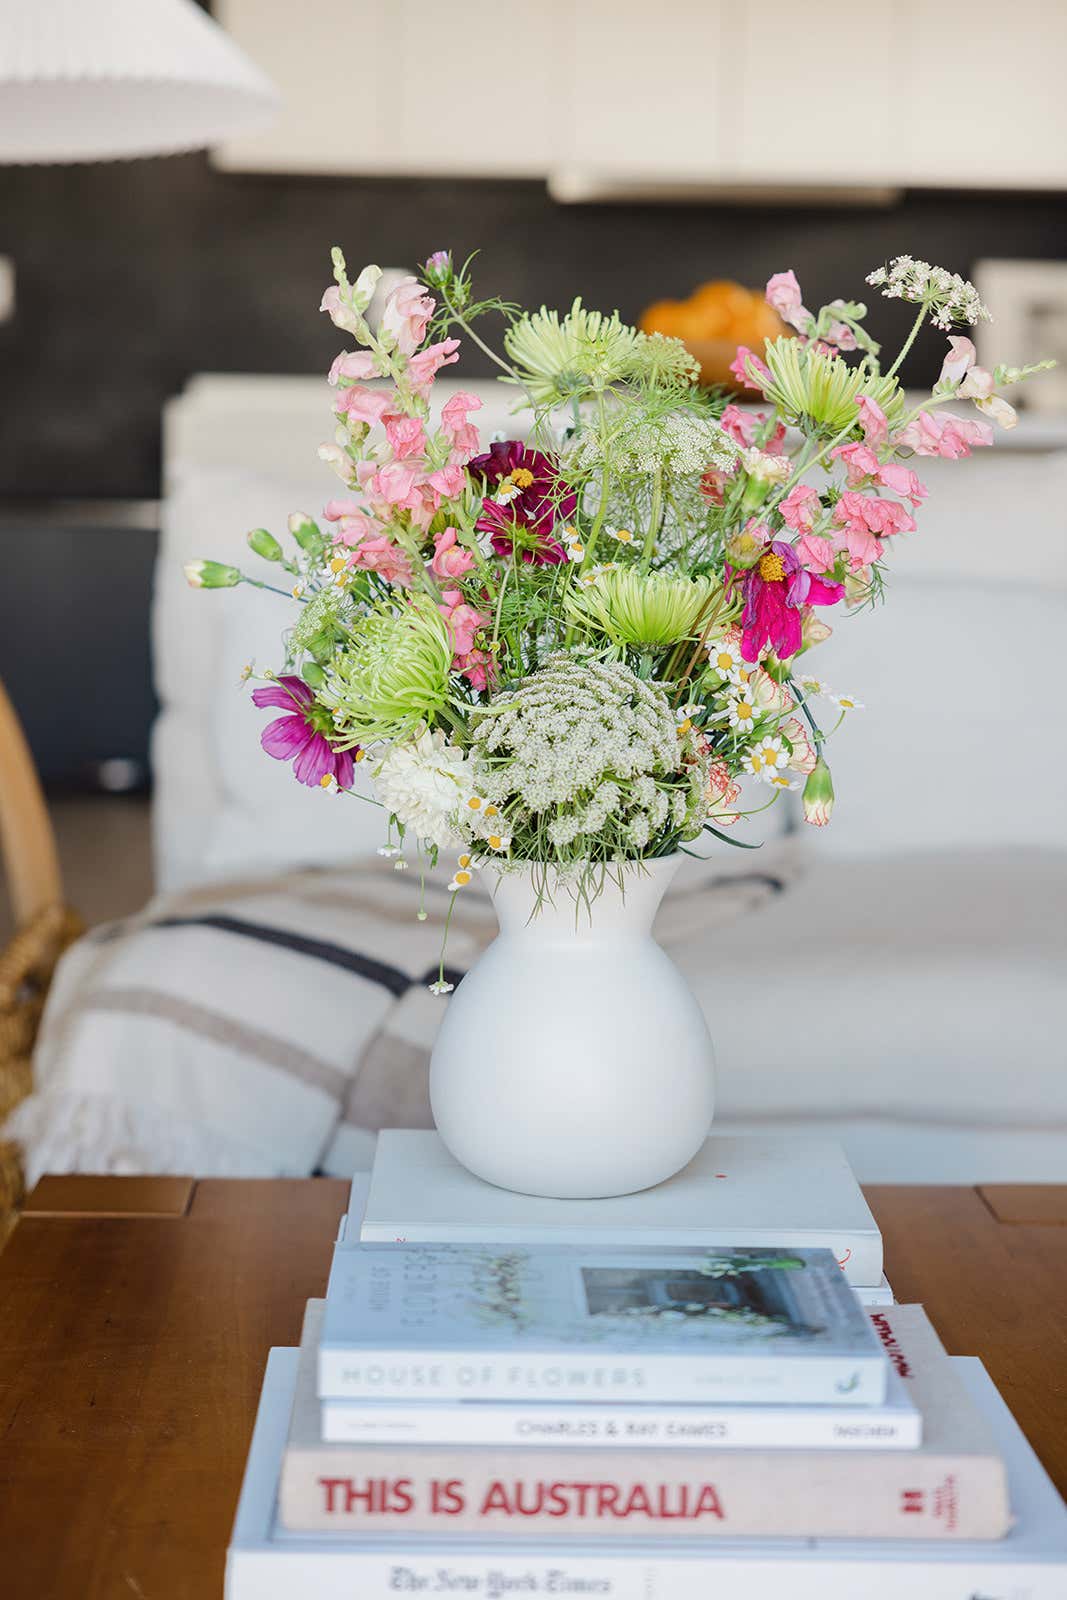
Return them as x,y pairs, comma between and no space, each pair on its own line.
735,1191
953,1487
896,1425
265,1563
495,1322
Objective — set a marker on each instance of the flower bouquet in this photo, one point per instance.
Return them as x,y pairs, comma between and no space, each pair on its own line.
572,656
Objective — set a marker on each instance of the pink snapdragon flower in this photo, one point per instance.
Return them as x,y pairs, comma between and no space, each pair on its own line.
938,434
407,315
450,559
872,421
800,508
354,521
743,426
747,366
300,735
961,357
387,559
474,663
405,434
455,422
424,365
447,482
354,365
362,405
783,293
776,590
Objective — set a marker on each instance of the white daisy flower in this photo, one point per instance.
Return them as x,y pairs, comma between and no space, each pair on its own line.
816,686
846,702
506,493
441,986
299,590
570,535
576,552
741,712
328,784
498,841
763,760
460,879
778,780
724,656
622,535
388,851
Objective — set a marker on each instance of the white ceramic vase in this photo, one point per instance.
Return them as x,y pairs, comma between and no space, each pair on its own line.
573,1059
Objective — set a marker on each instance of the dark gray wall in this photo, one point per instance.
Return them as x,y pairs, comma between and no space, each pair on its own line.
131,276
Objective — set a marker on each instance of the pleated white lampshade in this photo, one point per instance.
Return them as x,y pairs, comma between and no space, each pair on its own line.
92,80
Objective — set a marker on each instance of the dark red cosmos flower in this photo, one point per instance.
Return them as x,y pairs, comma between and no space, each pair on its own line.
524,502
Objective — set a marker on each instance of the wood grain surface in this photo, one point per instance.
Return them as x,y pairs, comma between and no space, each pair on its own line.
132,1349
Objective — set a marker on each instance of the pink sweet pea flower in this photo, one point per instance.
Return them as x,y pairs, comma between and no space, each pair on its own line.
743,426
800,508
882,517
747,368
405,435
407,315
385,558
352,364
424,365
816,553
872,421
902,480
776,590
935,434
783,293
361,405
860,462
450,559
299,736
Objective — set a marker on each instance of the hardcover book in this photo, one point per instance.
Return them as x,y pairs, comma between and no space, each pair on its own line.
897,1425
266,1563
736,1191
954,1487
497,1322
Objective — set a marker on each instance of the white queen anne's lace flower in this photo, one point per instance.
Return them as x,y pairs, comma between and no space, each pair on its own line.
950,299
424,783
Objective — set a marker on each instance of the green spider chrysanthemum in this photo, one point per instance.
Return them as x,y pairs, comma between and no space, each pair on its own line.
806,384
650,611
392,678
561,358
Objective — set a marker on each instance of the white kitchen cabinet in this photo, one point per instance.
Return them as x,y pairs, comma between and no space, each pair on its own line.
749,93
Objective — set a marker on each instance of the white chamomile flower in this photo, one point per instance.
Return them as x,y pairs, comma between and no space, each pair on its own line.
741,712
685,715
846,702
570,535
576,552
622,535
388,851
724,656
328,784
498,841
484,543
441,986
299,589
460,879
778,780
816,686
763,760
506,493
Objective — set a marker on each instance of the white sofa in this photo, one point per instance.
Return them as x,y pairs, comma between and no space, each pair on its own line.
906,991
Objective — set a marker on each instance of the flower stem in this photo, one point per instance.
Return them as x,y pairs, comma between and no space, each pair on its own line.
655,512
910,340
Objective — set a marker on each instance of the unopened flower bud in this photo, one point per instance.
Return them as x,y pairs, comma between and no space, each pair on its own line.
265,544
813,630
438,269
363,289
818,796
745,546
306,532
211,575
313,675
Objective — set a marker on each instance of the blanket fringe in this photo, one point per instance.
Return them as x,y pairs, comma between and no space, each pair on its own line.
64,1132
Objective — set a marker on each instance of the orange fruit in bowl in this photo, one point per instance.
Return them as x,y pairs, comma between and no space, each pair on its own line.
717,317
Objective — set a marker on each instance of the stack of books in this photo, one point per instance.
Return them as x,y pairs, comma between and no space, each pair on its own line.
497,1418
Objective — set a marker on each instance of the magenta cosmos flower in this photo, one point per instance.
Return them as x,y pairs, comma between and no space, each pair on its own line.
300,736
775,590
524,503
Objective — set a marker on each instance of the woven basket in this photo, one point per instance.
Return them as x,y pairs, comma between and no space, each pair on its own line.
26,968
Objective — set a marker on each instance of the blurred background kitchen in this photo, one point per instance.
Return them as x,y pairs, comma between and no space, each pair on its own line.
623,152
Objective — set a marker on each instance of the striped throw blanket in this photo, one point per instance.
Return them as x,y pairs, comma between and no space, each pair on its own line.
272,1027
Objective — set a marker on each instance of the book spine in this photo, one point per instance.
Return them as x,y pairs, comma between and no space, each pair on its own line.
341,1574
348,1373
859,1255
622,1427
578,1494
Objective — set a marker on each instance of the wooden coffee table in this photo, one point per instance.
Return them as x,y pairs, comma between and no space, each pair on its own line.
136,1315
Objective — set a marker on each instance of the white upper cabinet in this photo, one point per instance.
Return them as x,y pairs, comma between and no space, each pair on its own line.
752,92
